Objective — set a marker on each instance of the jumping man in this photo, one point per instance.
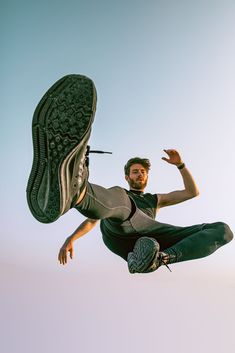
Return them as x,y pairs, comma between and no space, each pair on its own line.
59,181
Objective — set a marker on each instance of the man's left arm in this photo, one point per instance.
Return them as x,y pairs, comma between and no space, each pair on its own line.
190,187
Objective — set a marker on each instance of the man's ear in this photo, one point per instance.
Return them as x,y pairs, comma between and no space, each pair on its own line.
127,177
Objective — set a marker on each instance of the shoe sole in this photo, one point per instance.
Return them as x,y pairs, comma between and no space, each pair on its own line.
61,124
143,254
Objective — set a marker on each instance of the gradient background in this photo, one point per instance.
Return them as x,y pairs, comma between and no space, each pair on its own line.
165,74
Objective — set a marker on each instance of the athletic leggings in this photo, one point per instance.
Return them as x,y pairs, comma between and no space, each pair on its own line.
122,223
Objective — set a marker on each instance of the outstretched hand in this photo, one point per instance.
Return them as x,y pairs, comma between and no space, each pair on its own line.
174,157
66,248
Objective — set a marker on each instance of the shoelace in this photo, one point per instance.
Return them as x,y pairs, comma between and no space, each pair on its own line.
162,262
88,151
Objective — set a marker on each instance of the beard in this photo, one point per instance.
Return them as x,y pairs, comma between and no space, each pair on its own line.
137,184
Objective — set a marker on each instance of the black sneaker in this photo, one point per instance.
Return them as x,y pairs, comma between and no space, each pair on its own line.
61,129
145,251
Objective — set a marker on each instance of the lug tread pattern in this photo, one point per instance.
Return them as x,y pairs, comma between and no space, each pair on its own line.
61,119
144,252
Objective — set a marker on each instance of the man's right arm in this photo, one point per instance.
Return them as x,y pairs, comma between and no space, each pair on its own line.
81,230
190,188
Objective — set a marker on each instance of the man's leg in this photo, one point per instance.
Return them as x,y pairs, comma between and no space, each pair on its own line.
184,243
100,203
201,243
59,176
176,243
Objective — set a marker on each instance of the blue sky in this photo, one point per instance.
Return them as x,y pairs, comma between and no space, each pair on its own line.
164,72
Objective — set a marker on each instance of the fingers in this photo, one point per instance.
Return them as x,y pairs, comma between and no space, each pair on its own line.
62,257
66,248
170,151
71,253
174,156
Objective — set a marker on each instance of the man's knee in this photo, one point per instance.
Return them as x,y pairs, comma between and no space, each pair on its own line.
225,231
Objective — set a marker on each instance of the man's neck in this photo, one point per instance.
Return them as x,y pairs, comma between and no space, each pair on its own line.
137,191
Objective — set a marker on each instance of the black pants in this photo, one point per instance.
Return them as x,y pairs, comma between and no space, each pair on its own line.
122,223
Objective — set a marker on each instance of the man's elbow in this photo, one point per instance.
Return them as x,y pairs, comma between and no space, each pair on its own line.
195,193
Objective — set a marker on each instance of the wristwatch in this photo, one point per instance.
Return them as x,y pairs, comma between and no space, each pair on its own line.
181,166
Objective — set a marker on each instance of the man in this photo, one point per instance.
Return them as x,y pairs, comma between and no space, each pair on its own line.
59,181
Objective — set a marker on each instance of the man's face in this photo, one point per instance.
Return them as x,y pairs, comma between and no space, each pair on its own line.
138,177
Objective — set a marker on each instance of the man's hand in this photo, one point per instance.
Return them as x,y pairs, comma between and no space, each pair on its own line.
190,188
174,157
66,248
81,230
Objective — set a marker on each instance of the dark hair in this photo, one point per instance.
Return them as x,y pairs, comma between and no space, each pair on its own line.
137,160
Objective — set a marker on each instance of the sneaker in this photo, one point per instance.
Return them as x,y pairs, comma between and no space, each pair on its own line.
61,128
145,251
